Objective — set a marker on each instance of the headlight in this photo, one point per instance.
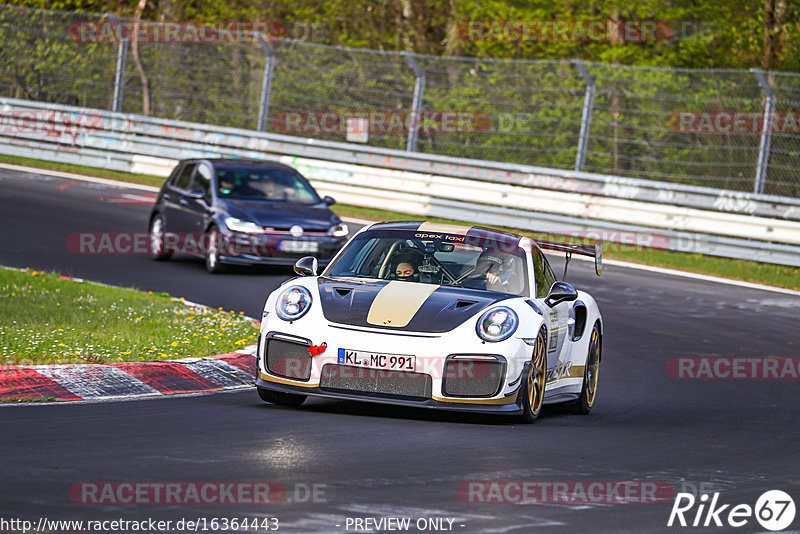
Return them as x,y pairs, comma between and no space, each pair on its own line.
339,230
293,303
247,227
497,324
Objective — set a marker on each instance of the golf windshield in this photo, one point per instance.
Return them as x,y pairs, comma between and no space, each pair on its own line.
244,183
449,260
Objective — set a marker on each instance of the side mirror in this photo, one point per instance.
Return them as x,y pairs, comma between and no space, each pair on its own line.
330,201
560,292
306,266
196,194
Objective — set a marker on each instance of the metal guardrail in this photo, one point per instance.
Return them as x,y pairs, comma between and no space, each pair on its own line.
687,218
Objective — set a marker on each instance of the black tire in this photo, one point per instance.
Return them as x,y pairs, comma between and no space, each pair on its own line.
278,397
156,245
585,402
213,265
536,380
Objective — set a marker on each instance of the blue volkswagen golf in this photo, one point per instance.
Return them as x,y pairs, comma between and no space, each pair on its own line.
233,211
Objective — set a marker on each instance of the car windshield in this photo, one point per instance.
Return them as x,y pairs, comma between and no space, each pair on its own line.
253,183
442,259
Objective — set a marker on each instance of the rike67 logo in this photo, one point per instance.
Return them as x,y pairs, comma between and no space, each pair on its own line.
774,510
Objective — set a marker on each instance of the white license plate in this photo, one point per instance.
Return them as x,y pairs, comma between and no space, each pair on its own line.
298,246
375,360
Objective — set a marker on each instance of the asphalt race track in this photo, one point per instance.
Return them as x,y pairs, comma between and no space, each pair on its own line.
736,437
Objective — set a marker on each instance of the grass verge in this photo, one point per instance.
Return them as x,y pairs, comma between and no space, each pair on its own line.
145,179
748,271
45,319
27,399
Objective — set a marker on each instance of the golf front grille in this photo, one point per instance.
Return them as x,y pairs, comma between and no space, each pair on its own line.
465,377
352,379
288,359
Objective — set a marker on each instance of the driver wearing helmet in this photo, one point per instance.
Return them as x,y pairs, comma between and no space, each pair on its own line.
493,270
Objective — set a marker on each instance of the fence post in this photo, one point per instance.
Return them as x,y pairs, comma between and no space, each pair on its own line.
586,116
119,77
766,131
416,103
266,82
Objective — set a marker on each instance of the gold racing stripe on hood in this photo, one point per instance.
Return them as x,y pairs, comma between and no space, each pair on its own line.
398,302
443,228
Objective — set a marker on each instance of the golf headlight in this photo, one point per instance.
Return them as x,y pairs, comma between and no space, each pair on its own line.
497,324
293,303
247,227
339,230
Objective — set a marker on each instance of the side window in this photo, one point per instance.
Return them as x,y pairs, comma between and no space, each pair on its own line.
202,178
184,177
549,277
543,273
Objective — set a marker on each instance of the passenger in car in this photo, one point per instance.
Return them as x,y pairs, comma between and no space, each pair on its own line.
405,267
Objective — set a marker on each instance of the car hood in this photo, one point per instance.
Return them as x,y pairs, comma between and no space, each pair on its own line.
398,305
282,215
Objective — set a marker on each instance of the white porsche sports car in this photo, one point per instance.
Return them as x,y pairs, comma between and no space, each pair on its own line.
436,316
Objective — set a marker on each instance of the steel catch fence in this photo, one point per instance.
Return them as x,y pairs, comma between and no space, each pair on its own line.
690,126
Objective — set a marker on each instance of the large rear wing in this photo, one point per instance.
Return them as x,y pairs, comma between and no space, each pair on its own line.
595,251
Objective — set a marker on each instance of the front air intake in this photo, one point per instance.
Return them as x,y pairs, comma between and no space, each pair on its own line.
288,359
470,375
378,382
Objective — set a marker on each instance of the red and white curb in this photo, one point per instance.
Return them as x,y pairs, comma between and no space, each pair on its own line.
118,380
85,382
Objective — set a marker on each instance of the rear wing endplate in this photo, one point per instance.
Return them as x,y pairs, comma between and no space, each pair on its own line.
595,251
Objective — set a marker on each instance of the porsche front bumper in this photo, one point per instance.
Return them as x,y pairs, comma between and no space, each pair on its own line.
325,375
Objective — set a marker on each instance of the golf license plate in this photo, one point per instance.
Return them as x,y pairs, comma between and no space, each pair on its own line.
298,246
376,360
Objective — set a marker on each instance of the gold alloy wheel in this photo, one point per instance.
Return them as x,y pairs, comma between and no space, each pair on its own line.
592,366
536,376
